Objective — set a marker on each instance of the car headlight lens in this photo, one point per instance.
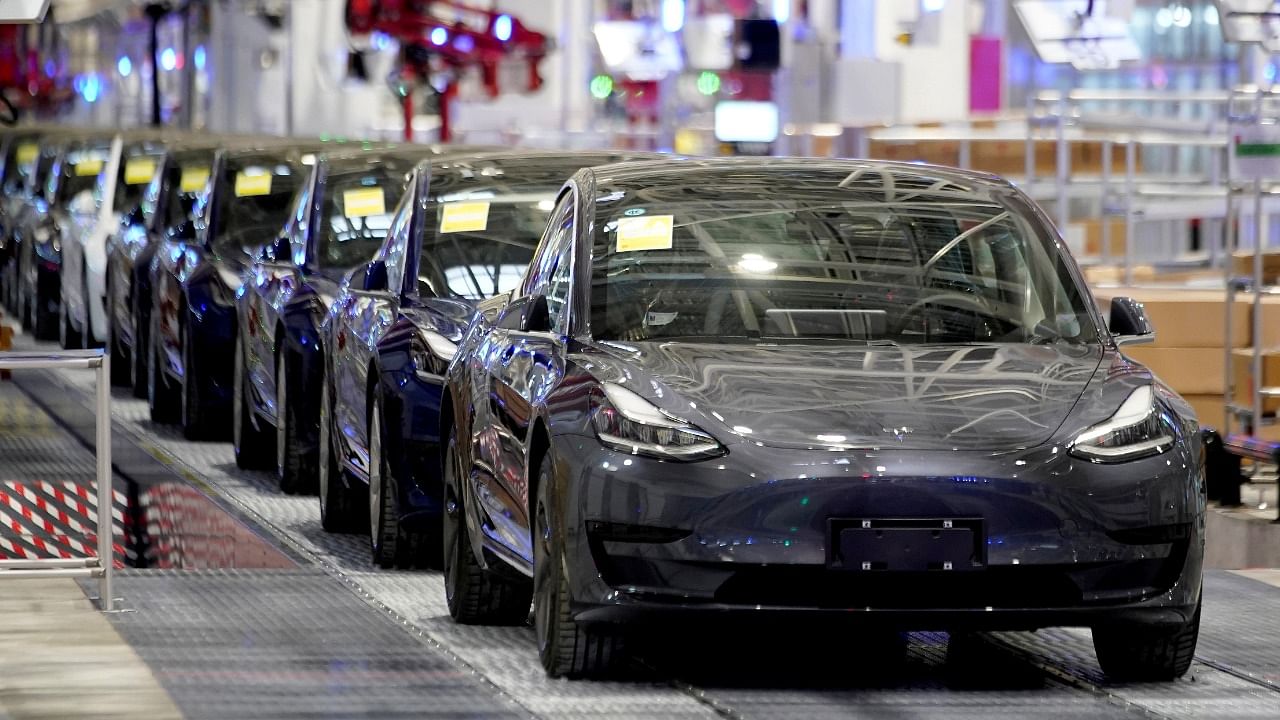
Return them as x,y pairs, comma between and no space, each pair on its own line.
627,422
1135,431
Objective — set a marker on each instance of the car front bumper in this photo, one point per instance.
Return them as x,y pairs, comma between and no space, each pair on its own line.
1060,541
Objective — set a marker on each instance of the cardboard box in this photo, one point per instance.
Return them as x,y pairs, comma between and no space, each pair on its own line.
1211,410
1242,265
1188,370
1242,376
1190,318
1113,275
1093,238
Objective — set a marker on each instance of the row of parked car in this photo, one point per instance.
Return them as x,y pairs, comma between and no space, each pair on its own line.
621,386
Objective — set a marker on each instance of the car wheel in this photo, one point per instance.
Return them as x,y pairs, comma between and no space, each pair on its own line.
339,506
475,595
88,339
121,363
294,468
252,445
566,648
160,397
44,318
68,338
196,423
141,356
1130,653
384,520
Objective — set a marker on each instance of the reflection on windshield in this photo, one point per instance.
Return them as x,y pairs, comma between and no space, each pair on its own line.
252,202
357,211
905,262
478,247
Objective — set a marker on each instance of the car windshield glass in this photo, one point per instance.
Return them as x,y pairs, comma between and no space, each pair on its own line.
879,255
134,175
477,246
188,178
356,213
252,201
17,165
44,168
80,172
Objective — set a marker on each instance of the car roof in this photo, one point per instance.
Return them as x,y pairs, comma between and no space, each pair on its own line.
531,166
656,172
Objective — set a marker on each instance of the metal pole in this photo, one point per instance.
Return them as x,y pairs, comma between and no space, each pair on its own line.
1030,152
1063,169
1106,188
106,527
1257,305
1130,160
1229,241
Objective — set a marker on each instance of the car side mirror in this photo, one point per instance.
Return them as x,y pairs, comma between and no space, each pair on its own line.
374,277
1129,324
536,316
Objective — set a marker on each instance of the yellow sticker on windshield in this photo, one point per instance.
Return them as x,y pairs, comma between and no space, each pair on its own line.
363,202
252,185
464,217
139,171
193,179
27,153
88,167
647,232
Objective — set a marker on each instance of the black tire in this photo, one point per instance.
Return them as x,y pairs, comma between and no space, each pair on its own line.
162,401
252,446
340,508
87,337
384,512
121,362
196,421
1129,653
68,337
295,469
475,595
140,351
566,648
44,319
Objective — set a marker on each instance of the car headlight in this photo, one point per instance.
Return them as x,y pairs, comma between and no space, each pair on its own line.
1135,431
627,422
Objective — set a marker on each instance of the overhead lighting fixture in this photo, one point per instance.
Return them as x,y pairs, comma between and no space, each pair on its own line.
502,28
672,15
124,66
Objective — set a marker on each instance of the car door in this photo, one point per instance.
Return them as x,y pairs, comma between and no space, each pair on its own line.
364,317
520,366
272,281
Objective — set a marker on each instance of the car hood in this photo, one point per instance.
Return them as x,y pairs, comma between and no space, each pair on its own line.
925,397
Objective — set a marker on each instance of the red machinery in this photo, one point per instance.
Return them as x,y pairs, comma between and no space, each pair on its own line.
441,35
29,77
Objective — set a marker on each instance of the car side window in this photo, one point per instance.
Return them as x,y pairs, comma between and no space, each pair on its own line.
397,246
551,272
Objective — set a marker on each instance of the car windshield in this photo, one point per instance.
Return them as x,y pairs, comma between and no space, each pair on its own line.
879,255
252,201
477,247
19,159
188,177
134,174
356,213
80,172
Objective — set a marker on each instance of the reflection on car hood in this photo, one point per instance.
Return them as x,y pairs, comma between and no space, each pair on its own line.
988,397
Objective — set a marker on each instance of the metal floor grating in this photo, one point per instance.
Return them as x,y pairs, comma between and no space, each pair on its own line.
288,643
1049,674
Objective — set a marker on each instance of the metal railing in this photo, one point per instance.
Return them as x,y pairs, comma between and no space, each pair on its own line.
99,567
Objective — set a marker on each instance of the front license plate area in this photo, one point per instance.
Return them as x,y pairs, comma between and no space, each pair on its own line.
907,545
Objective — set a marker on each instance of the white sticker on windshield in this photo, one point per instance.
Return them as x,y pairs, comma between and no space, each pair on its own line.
646,232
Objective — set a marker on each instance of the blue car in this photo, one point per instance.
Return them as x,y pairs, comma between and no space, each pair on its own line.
463,233
337,222
194,281
165,212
